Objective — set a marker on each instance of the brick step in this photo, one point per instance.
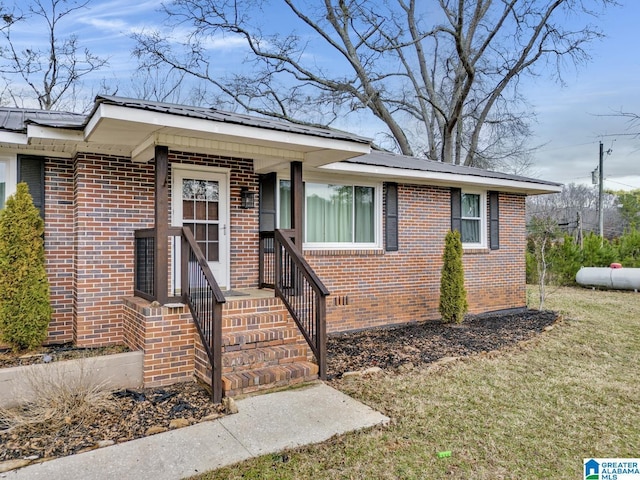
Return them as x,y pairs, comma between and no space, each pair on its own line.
239,383
263,357
246,321
263,337
244,306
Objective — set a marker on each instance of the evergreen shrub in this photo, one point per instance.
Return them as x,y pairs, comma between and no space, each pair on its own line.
453,296
25,310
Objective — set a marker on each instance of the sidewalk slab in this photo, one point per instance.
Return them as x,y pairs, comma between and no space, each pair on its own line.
264,424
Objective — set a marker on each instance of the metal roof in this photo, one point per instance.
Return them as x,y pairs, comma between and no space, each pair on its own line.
391,160
17,119
230,117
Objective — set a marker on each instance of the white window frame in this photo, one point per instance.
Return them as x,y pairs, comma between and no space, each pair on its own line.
483,219
11,174
353,182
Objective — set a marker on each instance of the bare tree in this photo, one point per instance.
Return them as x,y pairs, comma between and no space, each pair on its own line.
51,73
442,76
576,207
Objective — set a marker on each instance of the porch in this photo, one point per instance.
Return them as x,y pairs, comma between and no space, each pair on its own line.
237,340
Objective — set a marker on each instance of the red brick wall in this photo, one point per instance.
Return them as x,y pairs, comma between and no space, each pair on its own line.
168,338
59,246
113,197
373,288
94,204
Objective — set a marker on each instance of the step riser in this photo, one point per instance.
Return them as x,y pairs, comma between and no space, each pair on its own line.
262,357
250,339
262,347
255,320
272,377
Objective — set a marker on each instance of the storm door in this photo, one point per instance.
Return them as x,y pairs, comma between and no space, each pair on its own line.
200,203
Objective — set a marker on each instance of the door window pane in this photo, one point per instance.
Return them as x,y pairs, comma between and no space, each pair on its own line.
200,205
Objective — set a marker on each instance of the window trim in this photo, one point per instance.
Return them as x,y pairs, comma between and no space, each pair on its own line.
353,182
11,174
483,218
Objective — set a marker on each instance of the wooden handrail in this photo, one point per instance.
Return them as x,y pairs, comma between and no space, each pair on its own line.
205,300
188,235
304,295
284,237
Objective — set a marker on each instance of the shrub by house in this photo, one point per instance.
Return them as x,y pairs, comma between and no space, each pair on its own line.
25,310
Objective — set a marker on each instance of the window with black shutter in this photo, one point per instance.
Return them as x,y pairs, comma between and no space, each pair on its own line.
456,209
31,171
494,221
268,185
391,218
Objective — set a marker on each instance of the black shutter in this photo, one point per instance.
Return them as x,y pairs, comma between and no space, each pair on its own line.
31,172
456,209
391,218
268,190
494,221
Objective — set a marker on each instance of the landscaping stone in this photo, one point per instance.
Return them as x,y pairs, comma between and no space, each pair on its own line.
179,423
8,465
155,429
229,405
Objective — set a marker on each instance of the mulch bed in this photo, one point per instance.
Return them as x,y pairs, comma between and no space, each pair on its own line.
55,353
131,415
135,412
423,343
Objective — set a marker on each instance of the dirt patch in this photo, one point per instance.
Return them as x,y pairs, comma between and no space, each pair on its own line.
427,342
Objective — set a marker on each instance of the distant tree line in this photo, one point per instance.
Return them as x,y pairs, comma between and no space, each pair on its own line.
562,233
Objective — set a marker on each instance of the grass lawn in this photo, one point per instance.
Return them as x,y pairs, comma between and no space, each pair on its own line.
533,412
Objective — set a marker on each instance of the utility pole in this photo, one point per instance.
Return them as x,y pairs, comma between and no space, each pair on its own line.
600,193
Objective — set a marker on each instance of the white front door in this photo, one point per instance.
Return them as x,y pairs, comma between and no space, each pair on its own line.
201,203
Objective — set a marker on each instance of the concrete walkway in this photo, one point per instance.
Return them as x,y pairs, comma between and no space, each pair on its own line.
265,424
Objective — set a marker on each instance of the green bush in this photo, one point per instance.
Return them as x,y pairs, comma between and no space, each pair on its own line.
629,249
25,310
453,296
565,257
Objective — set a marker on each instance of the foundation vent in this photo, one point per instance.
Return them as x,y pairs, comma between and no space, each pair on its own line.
341,300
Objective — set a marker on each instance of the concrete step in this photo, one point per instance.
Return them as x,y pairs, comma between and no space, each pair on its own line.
254,358
249,381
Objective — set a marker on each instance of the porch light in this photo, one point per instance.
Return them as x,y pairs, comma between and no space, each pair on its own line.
247,198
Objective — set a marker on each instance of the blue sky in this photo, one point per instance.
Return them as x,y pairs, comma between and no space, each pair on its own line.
570,119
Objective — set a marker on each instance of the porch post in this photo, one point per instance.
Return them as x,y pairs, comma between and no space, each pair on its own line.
297,203
161,277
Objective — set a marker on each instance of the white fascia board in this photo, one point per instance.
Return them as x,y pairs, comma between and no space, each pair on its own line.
441,178
14,138
38,131
161,120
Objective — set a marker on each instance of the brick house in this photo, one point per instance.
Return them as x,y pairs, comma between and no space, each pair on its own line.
175,230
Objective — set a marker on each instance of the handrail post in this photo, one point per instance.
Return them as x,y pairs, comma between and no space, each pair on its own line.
216,368
184,267
321,337
277,281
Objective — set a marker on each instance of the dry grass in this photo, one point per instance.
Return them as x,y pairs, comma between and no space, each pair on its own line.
532,412
58,399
